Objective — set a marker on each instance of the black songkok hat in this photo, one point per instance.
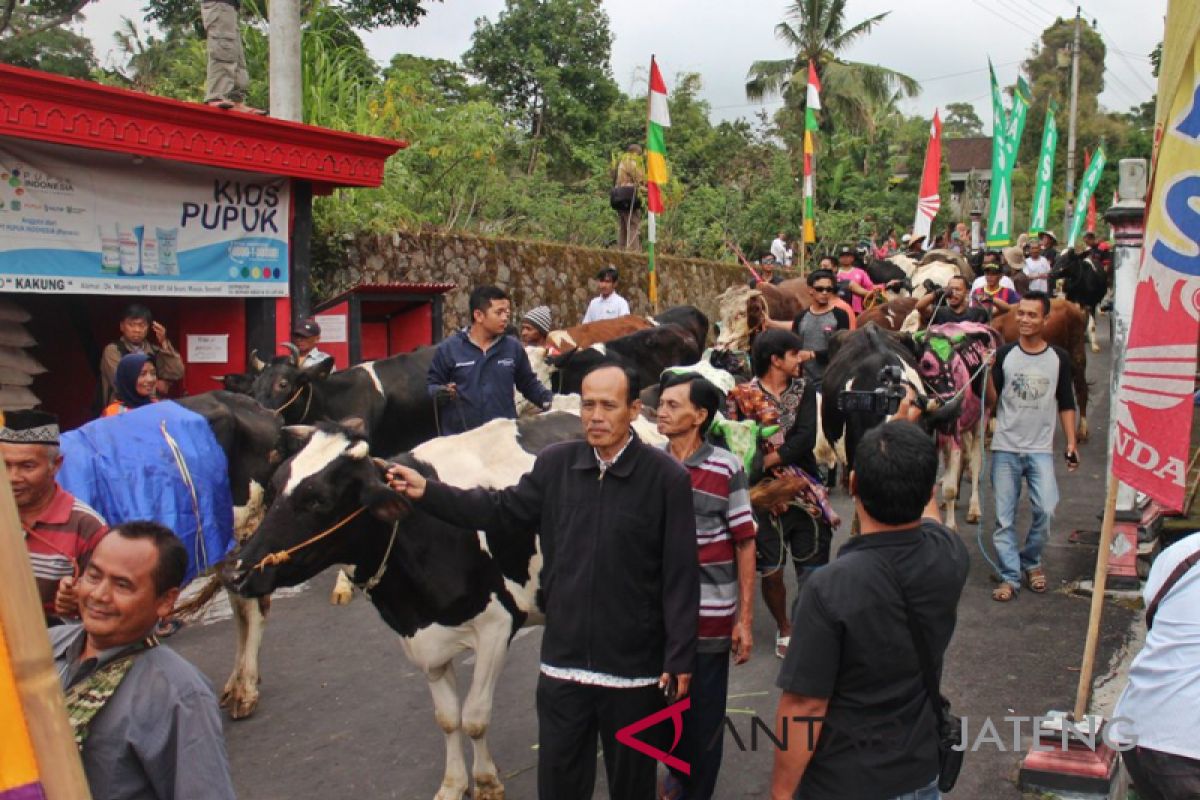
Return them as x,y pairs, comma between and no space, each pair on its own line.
28,427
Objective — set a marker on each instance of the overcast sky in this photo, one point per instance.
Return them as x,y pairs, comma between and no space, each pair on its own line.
942,43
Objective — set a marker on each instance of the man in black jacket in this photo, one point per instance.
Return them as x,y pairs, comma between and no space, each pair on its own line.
619,585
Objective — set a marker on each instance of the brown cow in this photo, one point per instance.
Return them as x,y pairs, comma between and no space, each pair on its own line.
1066,327
891,315
598,332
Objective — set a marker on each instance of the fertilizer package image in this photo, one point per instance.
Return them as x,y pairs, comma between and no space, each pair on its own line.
168,251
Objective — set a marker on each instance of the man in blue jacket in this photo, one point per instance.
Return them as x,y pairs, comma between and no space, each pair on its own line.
474,371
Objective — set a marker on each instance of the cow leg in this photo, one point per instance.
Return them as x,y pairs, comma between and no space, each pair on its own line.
974,449
952,454
241,690
491,647
443,685
1091,330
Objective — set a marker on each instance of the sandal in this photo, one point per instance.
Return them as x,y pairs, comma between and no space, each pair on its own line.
1004,593
781,645
1035,579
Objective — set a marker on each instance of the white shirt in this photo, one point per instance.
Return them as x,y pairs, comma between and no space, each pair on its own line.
779,249
315,357
980,282
1162,700
1037,269
609,307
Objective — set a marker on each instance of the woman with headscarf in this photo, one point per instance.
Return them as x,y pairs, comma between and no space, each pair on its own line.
135,384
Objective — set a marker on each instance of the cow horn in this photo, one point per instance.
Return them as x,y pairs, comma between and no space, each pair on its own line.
295,351
256,362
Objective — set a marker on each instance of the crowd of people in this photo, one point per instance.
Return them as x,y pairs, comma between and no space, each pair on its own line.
662,539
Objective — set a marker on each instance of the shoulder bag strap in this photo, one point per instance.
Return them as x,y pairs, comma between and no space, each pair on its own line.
1175,577
924,656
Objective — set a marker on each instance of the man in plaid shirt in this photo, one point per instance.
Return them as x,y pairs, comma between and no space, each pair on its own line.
725,533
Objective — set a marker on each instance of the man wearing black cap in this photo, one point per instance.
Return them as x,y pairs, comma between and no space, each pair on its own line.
306,336
1049,244
60,531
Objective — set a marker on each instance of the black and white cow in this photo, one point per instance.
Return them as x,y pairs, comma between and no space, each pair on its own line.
388,395
250,437
442,589
1084,284
689,318
648,352
856,362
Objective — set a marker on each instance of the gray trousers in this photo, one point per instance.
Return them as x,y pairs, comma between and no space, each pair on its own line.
227,76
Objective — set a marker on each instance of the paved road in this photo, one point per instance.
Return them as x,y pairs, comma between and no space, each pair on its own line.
344,715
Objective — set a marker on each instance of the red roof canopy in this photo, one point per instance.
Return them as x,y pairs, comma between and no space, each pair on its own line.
50,108
403,288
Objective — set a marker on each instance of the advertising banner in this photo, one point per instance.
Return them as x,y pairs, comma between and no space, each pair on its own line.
1045,173
1154,403
78,221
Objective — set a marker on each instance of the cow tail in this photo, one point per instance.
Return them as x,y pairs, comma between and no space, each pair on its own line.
190,609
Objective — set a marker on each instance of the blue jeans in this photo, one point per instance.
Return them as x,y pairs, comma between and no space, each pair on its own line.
1007,471
929,792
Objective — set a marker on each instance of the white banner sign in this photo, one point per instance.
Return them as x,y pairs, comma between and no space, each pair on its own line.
76,221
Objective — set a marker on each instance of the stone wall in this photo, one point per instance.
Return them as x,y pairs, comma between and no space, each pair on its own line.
533,273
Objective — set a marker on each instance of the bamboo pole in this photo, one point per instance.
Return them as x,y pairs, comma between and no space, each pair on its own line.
24,626
1083,693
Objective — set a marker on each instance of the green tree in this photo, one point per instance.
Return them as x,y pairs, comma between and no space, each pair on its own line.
817,31
51,49
364,14
961,121
547,61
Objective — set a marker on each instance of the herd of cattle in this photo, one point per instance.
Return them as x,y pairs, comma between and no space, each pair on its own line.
305,449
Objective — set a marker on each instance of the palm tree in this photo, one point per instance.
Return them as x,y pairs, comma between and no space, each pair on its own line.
852,92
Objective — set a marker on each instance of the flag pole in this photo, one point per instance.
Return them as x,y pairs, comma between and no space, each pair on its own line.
651,226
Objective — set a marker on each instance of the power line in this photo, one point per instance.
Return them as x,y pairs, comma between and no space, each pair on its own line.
1020,12
1132,69
1001,16
1043,9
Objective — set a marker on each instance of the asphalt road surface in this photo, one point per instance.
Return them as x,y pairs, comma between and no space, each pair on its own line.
344,715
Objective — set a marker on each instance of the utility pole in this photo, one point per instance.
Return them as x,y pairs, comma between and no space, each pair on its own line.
286,95
1069,210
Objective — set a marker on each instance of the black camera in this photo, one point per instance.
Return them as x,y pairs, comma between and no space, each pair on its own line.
884,401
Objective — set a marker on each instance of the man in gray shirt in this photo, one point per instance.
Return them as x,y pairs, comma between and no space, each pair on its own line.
146,720
1033,381
817,324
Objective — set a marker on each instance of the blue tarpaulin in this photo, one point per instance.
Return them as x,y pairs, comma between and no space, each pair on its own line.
126,468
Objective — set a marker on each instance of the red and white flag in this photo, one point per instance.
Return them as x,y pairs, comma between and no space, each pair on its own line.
928,199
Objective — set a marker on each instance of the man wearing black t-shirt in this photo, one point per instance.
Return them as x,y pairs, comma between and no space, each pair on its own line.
858,720
955,304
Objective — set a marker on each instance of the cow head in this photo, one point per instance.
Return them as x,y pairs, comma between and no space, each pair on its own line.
242,382
742,311
330,486
283,381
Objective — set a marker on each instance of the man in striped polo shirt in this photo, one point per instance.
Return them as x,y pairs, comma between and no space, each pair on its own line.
725,534
60,531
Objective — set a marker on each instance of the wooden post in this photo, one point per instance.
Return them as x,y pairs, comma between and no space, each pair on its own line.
24,626
1083,693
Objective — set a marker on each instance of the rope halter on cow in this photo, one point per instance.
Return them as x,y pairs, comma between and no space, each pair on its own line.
283,556
296,396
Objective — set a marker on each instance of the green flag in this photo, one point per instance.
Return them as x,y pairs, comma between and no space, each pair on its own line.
1086,188
1006,138
1045,173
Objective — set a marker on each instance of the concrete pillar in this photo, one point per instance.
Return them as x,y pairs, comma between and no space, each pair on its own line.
1128,221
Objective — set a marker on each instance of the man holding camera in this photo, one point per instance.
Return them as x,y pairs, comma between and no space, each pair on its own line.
859,724
952,304
1033,381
